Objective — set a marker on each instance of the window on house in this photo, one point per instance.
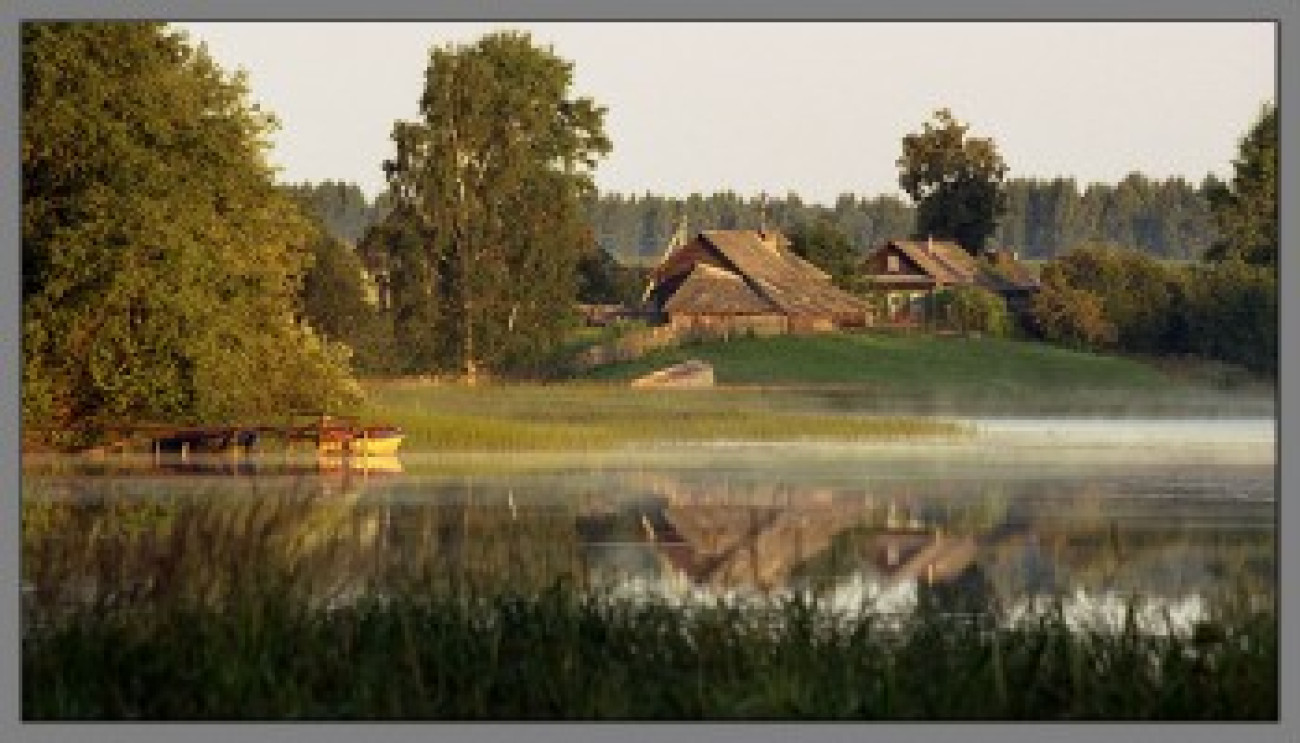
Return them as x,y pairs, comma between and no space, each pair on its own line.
891,263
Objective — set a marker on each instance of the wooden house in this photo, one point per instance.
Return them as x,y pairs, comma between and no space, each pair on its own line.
910,273
735,281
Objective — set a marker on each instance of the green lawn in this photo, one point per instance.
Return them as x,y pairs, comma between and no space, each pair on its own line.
962,373
855,386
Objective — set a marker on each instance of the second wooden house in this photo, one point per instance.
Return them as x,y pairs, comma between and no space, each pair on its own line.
909,273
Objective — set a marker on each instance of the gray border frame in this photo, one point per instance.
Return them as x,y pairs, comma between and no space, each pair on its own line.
1287,12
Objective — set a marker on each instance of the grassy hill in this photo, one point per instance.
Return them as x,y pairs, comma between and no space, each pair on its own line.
960,372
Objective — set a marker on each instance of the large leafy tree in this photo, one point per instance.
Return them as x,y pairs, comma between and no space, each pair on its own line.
161,265
494,174
955,180
1246,211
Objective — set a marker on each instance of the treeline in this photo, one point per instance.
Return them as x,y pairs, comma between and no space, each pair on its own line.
342,208
1167,219
1104,297
1164,219
1045,218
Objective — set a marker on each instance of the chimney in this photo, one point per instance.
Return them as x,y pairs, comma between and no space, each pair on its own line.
929,244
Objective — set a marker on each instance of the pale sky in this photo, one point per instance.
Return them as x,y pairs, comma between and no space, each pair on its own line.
818,109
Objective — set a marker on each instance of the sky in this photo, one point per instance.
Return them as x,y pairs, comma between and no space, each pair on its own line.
817,109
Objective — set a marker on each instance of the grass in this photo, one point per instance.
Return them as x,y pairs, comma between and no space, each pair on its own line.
867,386
924,371
562,654
593,416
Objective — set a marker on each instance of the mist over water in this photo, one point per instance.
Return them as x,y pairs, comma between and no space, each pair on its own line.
1092,511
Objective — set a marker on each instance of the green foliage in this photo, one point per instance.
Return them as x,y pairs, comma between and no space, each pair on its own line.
602,280
1104,295
1168,219
564,653
1165,219
161,266
975,309
341,302
956,182
1072,317
821,243
1139,295
1247,212
1231,314
489,184
412,290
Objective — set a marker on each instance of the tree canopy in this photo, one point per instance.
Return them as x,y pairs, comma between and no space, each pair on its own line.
161,266
956,182
821,243
1246,211
492,177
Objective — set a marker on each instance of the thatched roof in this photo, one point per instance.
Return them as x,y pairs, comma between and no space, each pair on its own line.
776,278
711,290
945,262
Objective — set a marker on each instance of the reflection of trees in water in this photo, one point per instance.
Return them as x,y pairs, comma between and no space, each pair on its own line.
333,534
223,537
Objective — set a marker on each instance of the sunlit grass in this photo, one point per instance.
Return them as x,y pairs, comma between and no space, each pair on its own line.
575,417
918,371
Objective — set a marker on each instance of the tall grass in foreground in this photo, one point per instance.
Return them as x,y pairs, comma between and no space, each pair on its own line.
562,653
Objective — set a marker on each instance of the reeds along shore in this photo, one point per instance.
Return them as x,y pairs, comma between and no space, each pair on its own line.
560,653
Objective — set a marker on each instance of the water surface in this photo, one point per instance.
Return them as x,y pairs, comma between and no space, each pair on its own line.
1178,512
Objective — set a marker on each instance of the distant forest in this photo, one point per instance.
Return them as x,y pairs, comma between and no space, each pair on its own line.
1169,219
1164,219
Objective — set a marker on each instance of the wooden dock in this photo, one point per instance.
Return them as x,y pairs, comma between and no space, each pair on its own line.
321,432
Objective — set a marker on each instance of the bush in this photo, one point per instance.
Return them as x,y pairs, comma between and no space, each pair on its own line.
974,309
1071,317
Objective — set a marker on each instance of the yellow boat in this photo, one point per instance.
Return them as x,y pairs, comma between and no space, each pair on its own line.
381,444
344,436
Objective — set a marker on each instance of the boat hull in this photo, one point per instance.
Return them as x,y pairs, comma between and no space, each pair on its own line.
375,446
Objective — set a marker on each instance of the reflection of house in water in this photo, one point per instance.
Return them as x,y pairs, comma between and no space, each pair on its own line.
724,546
772,540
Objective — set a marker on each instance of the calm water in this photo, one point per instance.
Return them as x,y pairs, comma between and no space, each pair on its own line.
1176,511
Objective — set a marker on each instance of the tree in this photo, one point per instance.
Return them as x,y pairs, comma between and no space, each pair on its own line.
494,174
161,265
821,243
1246,212
1138,294
956,182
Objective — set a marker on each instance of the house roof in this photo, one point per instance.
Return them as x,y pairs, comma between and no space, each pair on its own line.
946,262
708,289
762,262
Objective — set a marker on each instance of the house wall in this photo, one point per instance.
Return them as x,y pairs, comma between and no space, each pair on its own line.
878,264
811,324
726,325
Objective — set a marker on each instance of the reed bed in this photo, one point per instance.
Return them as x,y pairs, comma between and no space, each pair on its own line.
508,417
565,653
